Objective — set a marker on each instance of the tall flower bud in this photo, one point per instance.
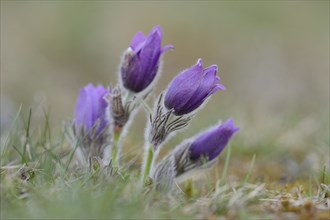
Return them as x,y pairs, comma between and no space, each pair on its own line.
186,92
191,88
204,149
91,121
140,61
211,143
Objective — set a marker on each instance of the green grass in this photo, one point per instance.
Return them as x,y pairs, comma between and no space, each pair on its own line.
40,179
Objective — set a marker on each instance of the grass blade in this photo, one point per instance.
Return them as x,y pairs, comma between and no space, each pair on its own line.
250,169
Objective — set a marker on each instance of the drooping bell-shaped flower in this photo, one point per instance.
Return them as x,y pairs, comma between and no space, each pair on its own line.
202,150
211,143
191,88
140,62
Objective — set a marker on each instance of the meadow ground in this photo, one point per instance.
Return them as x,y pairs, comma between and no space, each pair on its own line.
40,179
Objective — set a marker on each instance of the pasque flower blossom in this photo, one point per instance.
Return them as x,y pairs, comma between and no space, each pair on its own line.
91,123
91,109
195,153
202,150
211,143
191,87
140,62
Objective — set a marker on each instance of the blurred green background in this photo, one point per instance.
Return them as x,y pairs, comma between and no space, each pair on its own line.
273,59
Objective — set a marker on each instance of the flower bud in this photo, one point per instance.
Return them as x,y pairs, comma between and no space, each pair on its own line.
203,149
119,111
140,61
91,121
191,87
211,143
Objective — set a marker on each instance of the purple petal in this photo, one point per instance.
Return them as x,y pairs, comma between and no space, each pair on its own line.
91,107
157,29
151,49
139,66
211,70
183,86
213,141
80,111
191,87
199,63
201,92
229,125
137,41
216,88
165,48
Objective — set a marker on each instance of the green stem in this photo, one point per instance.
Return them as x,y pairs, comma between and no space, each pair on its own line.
148,162
127,97
115,146
117,135
225,169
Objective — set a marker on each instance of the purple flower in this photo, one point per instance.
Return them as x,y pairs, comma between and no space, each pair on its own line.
210,143
140,62
191,87
91,109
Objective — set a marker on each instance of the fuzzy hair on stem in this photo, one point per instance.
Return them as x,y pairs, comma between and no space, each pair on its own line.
90,144
163,123
164,174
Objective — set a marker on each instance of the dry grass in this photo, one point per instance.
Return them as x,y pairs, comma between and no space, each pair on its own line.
39,179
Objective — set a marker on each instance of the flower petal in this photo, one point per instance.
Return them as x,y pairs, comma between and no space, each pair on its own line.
202,91
213,141
183,86
138,41
140,62
91,107
165,48
150,52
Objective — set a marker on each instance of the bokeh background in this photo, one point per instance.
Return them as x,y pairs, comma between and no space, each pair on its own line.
273,59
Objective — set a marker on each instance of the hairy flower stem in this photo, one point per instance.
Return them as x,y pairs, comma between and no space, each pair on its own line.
118,129
148,162
82,160
115,148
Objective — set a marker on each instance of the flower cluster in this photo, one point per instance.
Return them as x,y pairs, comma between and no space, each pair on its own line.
102,114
